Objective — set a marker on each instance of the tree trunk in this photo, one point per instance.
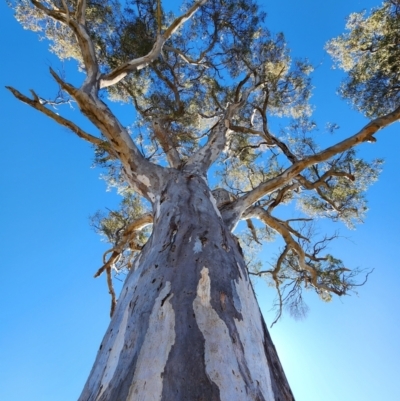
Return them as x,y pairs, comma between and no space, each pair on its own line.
187,325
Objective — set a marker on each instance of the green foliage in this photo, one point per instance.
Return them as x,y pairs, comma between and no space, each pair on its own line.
114,225
226,55
370,54
189,98
341,197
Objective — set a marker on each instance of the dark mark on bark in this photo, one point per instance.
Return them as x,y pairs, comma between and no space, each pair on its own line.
203,240
165,298
222,300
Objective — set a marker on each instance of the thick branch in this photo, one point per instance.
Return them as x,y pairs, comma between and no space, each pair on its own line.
206,155
140,173
81,11
82,36
123,70
281,195
166,143
290,173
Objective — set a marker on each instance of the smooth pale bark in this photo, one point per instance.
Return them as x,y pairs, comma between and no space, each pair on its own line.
187,325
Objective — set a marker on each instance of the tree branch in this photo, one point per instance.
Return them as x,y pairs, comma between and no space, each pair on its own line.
206,155
36,104
184,57
188,59
123,70
277,225
251,131
166,143
290,173
81,11
84,41
322,181
253,230
139,172
135,226
111,292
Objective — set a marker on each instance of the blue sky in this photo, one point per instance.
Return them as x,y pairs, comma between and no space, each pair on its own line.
54,314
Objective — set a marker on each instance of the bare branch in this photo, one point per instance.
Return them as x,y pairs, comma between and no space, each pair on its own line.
253,231
277,225
280,196
35,103
268,137
71,90
274,274
111,292
365,280
281,145
293,231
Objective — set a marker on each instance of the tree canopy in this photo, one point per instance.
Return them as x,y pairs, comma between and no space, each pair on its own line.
369,53
207,86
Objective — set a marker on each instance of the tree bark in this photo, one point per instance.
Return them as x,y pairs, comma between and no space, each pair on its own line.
187,325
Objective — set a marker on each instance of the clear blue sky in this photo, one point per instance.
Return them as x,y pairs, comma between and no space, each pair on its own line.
54,314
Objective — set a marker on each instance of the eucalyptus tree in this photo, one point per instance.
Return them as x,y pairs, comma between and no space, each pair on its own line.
199,157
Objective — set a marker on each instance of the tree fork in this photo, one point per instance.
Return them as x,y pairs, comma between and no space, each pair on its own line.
187,325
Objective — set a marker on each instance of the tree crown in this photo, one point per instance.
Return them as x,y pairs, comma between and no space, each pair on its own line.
370,52
205,86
